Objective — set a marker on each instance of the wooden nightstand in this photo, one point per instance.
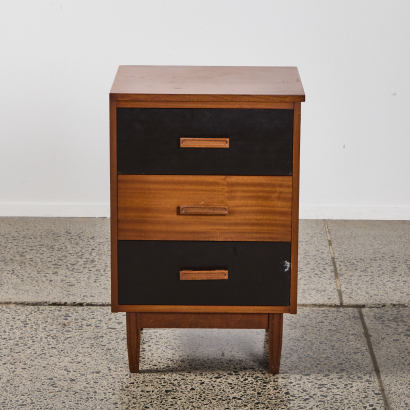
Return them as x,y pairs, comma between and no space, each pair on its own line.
205,198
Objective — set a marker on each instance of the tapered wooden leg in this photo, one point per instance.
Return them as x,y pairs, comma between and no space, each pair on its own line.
133,341
275,341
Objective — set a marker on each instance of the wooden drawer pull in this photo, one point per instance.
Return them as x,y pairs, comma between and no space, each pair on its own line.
203,210
203,274
204,142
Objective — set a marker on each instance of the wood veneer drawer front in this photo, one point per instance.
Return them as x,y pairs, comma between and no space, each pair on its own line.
260,141
149,273
258,208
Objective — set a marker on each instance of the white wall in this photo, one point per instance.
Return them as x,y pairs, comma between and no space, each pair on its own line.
58,60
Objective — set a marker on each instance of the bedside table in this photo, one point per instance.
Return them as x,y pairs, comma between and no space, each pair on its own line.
205,198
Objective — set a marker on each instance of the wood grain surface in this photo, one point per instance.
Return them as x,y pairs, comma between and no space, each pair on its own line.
203,275
202,309
133,341
204,142
295,209
113,207
205,320
179,83
158,102
259,207
203,210
275,341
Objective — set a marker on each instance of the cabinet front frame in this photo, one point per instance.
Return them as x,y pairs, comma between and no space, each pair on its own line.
155,102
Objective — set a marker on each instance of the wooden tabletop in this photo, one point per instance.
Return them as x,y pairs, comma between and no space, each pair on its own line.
183,83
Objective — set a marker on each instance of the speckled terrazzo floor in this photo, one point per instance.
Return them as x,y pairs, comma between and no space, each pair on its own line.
345,349
55,260
376,253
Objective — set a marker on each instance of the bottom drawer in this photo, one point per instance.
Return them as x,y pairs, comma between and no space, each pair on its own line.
258,273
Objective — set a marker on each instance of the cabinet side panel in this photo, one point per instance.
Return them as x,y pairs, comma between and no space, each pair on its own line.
113,201
295,208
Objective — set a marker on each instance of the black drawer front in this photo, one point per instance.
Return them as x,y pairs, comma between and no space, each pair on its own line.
260,141
258,273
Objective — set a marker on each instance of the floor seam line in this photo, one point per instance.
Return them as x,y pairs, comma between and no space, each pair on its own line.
374,360
332,256
355,306
301,305
73,304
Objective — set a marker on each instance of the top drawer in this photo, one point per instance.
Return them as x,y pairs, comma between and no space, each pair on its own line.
260,141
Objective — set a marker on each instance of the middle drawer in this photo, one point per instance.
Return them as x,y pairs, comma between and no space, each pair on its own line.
204,207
